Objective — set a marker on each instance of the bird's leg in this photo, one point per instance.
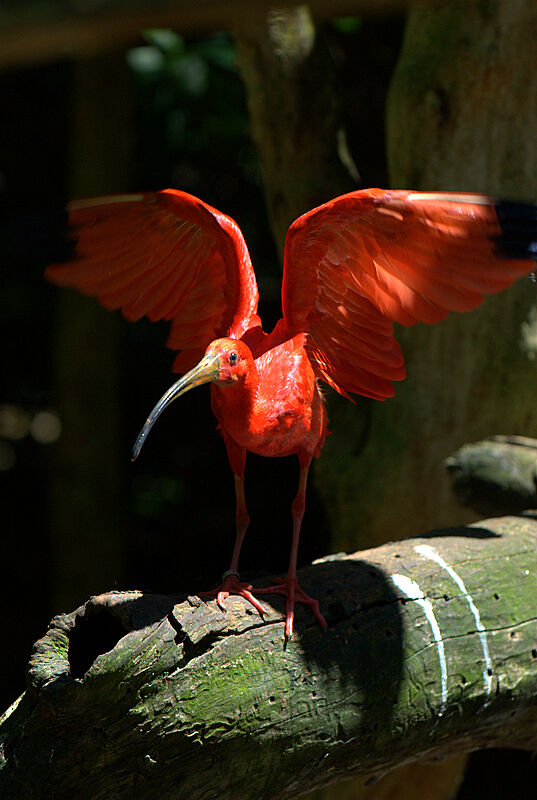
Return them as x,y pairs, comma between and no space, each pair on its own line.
242,520
289,587
231,583
231,579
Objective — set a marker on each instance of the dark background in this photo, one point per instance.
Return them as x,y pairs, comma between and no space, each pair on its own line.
175,516
189,130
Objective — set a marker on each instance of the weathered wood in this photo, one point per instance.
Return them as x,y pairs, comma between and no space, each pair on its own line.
497,475
430,651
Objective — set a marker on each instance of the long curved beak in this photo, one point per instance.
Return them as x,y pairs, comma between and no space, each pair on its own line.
207,370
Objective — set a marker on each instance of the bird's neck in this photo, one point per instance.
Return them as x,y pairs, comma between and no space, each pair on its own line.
234,405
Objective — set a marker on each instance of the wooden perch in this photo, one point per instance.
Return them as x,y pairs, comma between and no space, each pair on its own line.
497,475
431,650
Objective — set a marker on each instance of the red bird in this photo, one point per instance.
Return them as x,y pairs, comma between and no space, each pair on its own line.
352,268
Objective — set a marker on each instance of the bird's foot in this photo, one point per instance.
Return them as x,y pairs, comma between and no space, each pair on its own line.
232,585
294,594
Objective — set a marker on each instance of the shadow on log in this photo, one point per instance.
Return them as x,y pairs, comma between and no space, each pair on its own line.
431,650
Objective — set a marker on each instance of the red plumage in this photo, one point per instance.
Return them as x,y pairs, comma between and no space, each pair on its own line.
352,268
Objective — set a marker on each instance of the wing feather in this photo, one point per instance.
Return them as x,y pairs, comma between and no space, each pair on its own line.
166,256
365,260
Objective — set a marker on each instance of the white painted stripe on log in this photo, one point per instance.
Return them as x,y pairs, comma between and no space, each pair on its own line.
413,592
429,552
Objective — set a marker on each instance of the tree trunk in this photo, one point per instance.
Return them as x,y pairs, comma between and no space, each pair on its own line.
462,115
294,113
430,651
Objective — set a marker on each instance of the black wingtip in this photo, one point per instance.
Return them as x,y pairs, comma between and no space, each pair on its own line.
518,223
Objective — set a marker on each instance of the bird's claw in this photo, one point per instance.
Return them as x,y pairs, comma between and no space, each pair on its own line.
294,594
232,585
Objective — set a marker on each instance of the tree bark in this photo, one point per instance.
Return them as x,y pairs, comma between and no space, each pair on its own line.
461,115
294,112
430,651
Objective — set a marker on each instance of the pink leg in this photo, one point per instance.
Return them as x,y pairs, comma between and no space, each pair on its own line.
289,587
231,583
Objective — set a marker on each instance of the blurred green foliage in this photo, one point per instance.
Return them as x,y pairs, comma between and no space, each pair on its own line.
192,118
347,25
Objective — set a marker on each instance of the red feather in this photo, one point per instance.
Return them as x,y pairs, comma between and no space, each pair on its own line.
364,260
167,256
352,268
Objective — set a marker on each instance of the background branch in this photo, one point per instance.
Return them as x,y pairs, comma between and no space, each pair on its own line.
497,475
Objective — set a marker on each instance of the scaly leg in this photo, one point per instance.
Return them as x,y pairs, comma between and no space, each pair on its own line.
231,583
289,587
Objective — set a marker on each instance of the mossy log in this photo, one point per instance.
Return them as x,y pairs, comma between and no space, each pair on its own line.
497,475
431,650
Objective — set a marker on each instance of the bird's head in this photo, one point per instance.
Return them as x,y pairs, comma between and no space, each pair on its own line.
226,362
233,360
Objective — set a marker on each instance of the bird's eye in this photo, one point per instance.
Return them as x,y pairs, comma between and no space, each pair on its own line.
233,358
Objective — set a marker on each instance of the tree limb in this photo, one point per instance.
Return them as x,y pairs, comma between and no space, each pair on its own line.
497,475
36,32
430,651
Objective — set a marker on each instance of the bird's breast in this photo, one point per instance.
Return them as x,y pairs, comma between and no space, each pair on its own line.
282,415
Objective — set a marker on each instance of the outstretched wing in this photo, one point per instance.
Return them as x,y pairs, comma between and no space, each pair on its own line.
167,256
364,260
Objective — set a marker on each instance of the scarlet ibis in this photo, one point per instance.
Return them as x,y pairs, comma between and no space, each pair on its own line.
352,267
